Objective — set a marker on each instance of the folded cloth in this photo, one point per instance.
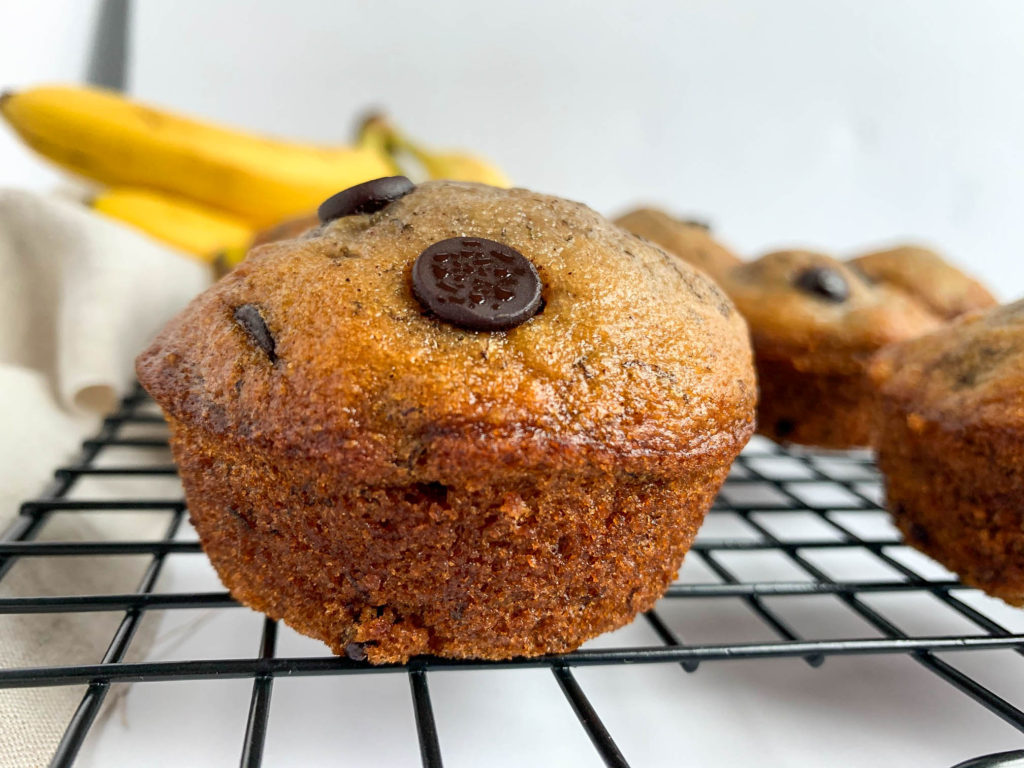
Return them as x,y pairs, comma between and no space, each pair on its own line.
80,296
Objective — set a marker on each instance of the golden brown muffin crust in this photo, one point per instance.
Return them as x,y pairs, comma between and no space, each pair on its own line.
950,427
813,332
811,350
923,275
635,358
690,241
969,374
394,485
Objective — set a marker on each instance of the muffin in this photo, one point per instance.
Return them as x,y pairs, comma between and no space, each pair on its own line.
454,420
815,324
688,239
950,429
924,276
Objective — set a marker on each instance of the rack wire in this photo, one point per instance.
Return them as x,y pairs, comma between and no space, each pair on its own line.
852,475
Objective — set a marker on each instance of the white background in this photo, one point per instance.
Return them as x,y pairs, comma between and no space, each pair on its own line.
837,125
39,42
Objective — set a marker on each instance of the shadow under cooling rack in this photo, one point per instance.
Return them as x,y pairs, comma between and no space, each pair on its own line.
835,496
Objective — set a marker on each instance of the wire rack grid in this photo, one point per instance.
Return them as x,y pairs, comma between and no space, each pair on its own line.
765,480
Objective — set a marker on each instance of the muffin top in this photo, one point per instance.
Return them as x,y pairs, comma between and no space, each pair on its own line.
815,311
969,373
689,240
322,347
924,276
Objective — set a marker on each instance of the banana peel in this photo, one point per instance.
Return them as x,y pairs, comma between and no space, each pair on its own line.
436,164
196,229
118,142
211,191
210,236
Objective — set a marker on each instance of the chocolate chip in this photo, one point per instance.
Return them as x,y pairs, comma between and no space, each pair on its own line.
784,427
824,282
434,493
248,316
698,223
478,284
919,534
368,197
242,516
356,651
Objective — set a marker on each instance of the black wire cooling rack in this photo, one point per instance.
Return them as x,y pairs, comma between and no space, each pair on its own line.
852,476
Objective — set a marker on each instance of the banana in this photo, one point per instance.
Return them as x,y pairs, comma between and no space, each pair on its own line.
453,165
119,142
458,166
195,229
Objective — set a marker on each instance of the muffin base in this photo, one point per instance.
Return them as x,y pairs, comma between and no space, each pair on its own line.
958,496
535,564
827,410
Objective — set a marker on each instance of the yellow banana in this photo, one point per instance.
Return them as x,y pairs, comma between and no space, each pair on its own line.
457,166
192,228
119,142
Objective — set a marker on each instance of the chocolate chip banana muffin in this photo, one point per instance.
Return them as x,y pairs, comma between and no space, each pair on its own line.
455,420
924,276
951,446
815,324
815,321
688,239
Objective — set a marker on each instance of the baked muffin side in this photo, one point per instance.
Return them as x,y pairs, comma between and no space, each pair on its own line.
951,446
816,321
529,564
815,324
386,481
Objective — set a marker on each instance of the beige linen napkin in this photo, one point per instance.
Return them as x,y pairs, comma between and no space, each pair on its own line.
80,296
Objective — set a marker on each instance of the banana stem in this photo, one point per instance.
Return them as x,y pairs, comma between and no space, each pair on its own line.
378,132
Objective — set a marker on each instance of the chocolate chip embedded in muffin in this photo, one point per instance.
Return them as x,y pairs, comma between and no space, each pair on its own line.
417,488
698,223
251,321
356,651
476,283
368,197
825,282
950,427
